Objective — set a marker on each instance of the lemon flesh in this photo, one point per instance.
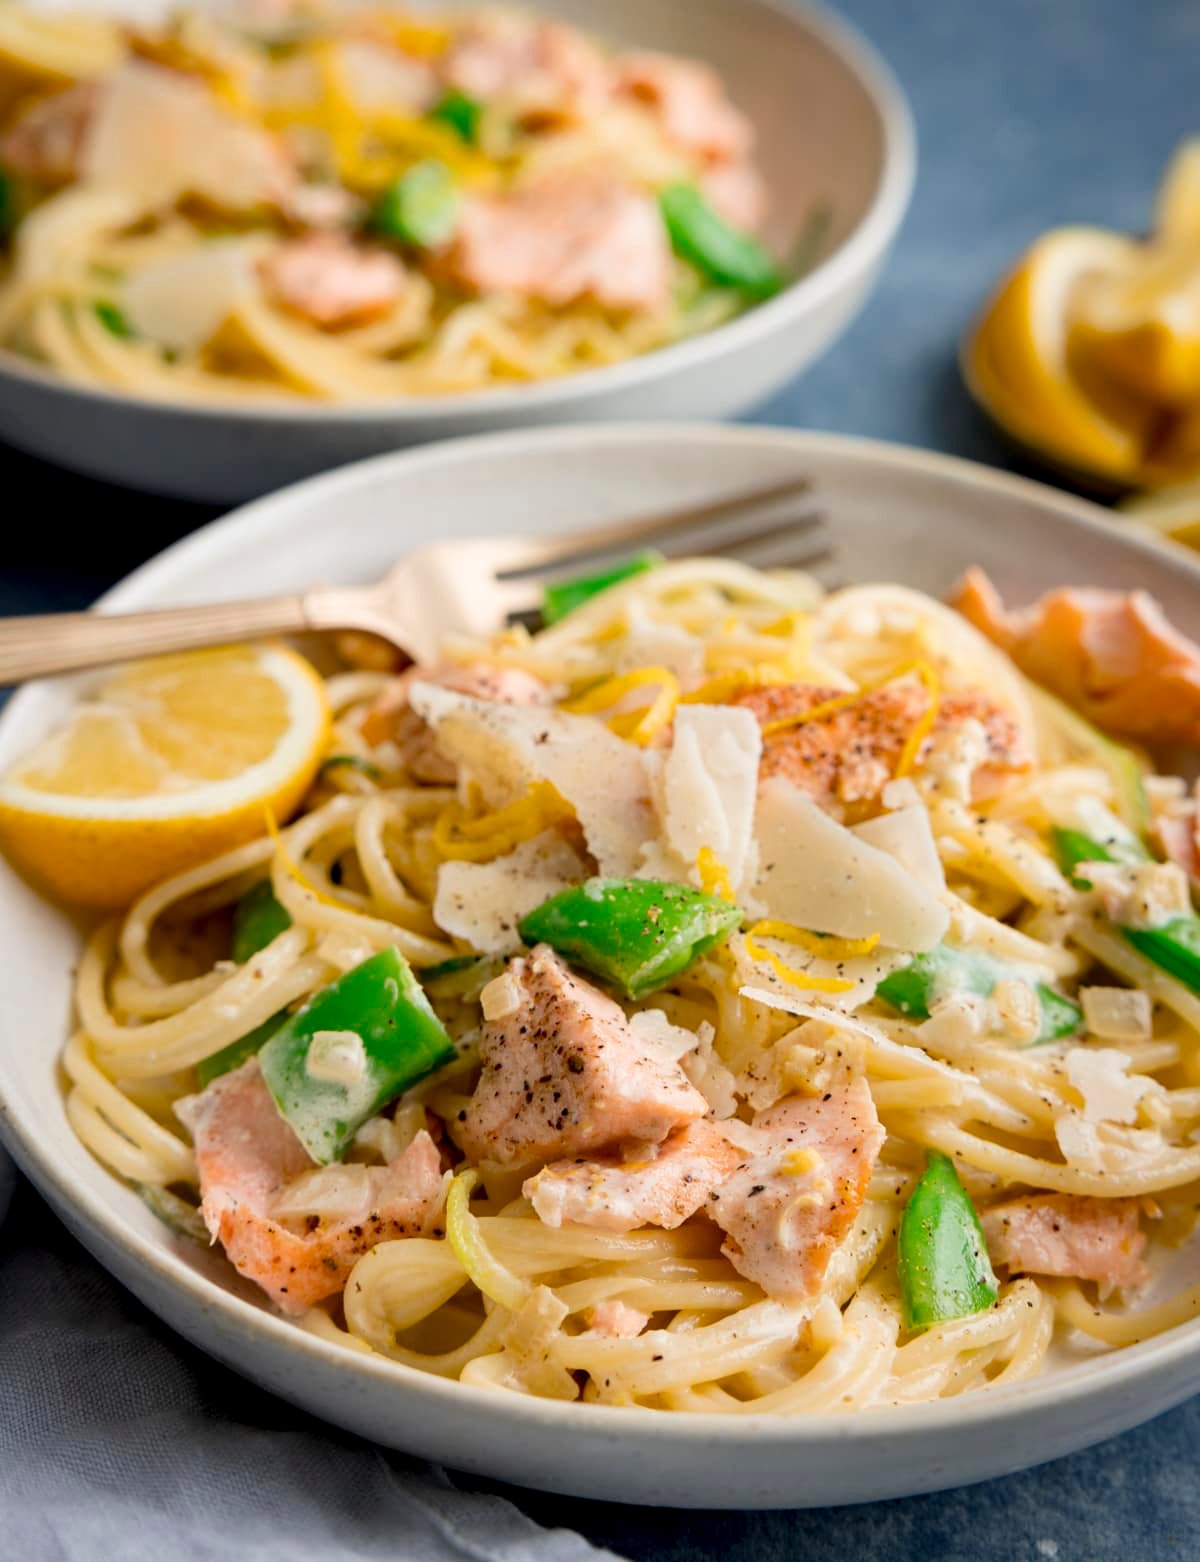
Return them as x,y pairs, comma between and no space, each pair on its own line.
165,764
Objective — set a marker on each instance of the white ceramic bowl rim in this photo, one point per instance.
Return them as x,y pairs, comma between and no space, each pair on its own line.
871,236
996,1407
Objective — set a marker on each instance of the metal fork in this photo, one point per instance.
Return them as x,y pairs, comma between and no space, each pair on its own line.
474,585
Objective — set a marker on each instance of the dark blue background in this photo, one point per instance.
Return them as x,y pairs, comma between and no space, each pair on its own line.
1030,113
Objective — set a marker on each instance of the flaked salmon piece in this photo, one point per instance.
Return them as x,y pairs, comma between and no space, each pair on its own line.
332,282
738,193
616,1320
787,1206
1179,836
690,102
46,141
248,1158
1112,655
576,234
391,718
534,64
1069,1235
662,1187
850,755
564,1074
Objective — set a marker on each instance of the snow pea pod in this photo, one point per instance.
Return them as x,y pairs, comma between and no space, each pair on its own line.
352,1048
258,920
460,112
944,1268
719,252
420,208
1175,946
636,934
566,595
916,987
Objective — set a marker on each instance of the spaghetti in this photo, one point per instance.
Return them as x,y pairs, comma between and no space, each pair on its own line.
1102,1114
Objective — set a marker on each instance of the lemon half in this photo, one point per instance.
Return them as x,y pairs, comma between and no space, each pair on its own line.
165,764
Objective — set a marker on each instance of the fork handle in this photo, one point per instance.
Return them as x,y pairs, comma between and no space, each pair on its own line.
37,645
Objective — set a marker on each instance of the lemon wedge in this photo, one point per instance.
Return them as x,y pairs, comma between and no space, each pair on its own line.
1026,368
1177,207
164,765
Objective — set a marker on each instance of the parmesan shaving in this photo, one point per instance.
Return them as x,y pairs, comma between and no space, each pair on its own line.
709,786
482,902
819,875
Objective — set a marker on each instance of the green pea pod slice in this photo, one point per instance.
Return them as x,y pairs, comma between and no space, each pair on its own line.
1174,947
236,1053
566,595
258,920
420,208
636,934
718,251
942,1257
916,987
383,1004
460,112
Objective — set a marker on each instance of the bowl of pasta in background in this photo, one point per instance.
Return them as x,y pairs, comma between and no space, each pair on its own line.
897,515
835,147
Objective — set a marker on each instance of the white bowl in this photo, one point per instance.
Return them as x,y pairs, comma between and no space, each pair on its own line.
834,129
897,514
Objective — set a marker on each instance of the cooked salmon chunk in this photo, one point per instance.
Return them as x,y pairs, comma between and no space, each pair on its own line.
690,102
573,235
1110,654
787,1206
46,141
1061,1234
534,64
392,718
849,755
564,1074
250,1161
661,1185
331,282
616,1320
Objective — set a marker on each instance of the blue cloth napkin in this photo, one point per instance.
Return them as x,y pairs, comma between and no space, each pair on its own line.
119,1443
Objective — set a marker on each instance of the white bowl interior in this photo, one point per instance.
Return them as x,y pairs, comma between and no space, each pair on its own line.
896,514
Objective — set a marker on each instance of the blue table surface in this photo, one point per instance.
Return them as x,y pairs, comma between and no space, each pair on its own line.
1030,113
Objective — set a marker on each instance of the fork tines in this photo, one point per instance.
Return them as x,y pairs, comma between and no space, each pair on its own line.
769,526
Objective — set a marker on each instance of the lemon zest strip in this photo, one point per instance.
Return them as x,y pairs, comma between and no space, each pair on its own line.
293,869
457,837
788,973
823,946
714,875
639,726
912,744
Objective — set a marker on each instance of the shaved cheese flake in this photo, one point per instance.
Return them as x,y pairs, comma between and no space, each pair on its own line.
907,836
182,301
159,135
504,748
1110,1094
817,874
482,902
709,787
1078,1141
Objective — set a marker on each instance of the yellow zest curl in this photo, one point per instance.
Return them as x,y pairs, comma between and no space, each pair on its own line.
824,946
714,875
293,869
912,744
639,726
788,973
458,836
